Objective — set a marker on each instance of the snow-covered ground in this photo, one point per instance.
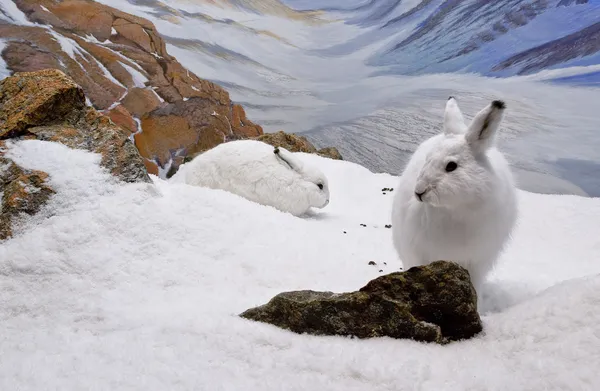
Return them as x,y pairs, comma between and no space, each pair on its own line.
138,286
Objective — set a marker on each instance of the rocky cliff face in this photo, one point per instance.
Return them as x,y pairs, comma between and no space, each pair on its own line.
122,65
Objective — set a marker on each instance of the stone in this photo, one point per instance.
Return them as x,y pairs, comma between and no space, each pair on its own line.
140,101
120,116
189,126
289,141
33,98
296,143
22,192
331,153
432,303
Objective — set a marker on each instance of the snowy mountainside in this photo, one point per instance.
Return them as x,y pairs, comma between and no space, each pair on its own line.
500,38
138,286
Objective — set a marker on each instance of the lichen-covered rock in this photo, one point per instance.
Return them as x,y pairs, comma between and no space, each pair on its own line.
296,143
290,141
21,192
433,303
35,98
331,153
97,133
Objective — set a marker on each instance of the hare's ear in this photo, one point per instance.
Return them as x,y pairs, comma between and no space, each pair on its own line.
454,123
482,131
288,160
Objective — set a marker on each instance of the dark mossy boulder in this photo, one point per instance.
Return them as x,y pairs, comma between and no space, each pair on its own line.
433,303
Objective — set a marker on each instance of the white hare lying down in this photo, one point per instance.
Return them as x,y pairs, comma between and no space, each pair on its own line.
456,199
260,173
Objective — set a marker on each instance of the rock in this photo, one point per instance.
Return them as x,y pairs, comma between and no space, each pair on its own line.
330,152
295,143
122,117
242,126
49,106
140,101
35,98
151,167
22,192
289,141
433,303
184,127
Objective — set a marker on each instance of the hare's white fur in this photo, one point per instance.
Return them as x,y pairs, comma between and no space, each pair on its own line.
258,172
465,215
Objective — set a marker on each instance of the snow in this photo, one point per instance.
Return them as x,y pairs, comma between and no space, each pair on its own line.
138,78
138,286
4,71
44,8
107,73
158,96
9,12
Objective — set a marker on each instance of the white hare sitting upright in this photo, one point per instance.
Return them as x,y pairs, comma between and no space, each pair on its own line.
456,200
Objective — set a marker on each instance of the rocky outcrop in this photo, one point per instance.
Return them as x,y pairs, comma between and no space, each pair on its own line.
120,60
33,99
433,303
296,143
21,192
47,105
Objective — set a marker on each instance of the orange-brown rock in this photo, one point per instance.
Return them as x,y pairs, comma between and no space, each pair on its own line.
151,167
134,32
243,126
23,192
120,116
184,127
140,101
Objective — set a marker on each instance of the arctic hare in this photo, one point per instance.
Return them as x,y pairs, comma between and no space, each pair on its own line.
259,172
456,200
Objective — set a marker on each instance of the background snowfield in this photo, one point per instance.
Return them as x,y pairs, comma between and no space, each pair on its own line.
138,286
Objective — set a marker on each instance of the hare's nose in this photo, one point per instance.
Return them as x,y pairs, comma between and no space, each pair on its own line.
420,195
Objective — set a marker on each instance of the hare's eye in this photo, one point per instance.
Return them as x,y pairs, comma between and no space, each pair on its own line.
451,166
320,186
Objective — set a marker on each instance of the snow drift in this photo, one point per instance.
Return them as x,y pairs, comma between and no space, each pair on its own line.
138,286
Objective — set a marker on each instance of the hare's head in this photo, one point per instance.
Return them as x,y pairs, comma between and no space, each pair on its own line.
310,183
457,170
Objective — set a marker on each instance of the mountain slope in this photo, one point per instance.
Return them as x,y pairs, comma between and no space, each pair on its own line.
122,64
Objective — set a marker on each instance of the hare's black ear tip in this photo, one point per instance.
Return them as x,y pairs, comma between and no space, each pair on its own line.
276,150
499,104
451,97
